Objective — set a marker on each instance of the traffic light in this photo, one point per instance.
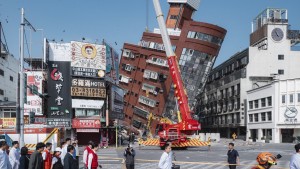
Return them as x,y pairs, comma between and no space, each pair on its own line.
34,89
31,118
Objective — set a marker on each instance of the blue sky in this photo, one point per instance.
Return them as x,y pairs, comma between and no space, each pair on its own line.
124,20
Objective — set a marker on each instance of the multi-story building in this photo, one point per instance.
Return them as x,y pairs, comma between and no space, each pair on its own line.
223,104
144,72
275,120
9,68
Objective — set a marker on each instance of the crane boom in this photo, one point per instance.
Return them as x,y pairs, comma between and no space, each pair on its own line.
180,92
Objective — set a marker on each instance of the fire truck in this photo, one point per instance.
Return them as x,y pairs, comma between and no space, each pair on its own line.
175,133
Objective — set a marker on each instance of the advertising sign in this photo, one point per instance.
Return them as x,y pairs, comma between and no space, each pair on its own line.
87,104
8,122
34,103
59,85
87,72
117,103
37,120
86,123
112,65
88,55
59,122
87,130
59,52
88,88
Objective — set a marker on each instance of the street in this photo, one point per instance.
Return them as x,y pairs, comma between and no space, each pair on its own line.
194,158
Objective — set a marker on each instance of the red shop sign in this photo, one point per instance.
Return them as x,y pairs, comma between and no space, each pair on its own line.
86,123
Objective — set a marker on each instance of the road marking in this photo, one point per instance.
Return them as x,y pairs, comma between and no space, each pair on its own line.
108,160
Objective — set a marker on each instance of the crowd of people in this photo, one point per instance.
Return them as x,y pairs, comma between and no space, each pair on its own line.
64,157
67,157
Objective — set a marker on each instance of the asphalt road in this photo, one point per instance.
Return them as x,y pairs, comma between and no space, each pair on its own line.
196,158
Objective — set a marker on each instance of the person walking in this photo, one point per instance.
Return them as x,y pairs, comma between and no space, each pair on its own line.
86,152
24,159
4,160
14,155
68,158
209,143
233,157
36,158
47,156
92,162
77,151
64,149
129,154
165,161
295,159
56,160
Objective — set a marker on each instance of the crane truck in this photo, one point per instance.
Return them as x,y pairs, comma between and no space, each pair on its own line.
176,133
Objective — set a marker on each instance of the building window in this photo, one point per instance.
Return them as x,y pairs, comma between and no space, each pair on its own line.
263,116
298,97
250,104
1,92
1,72
283,99
280,71
11,78
269,116
147,101
150,74
263,102
291,98
86,112
280,57
256,117
269,101
173,17
256,103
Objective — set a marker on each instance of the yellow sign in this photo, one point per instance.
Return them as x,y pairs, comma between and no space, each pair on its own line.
8,122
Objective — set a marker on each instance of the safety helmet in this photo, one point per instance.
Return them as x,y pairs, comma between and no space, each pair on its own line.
266,158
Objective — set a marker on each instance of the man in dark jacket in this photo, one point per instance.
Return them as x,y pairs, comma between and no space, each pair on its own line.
36,158
69,162
129,157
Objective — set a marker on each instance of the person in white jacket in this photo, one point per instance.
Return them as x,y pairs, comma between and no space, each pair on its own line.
165,161
4,160
14,155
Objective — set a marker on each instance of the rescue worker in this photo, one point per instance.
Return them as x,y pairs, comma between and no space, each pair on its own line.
86,152
266,160
47,156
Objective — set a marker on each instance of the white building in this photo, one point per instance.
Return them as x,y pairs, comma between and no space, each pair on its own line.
9,68
224,103
273,111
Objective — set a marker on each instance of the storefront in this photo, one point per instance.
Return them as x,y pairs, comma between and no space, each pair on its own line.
87,130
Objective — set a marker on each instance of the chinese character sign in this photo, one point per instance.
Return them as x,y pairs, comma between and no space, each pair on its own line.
88,55
88,88
59,85
34,103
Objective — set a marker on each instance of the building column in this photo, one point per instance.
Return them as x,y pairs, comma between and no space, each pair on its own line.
228,133
238,131
259,134
248,134
276,135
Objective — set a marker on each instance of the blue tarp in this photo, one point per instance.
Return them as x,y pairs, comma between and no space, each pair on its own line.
8,140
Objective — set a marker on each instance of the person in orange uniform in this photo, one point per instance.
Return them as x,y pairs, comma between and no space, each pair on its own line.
47,156
266,160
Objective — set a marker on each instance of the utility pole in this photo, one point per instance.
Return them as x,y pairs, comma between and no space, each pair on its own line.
22,81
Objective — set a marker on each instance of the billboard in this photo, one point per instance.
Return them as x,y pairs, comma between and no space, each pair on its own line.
87,72
88,87
88,55
87,104
59,87
34,103
86,123
58,52
117,103
112,65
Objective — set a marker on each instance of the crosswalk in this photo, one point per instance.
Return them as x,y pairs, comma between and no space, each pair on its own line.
244,165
